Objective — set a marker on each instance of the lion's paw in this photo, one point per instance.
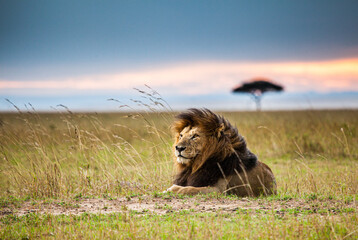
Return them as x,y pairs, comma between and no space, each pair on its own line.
174,188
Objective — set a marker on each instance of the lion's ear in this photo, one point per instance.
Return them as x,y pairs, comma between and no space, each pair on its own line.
220,130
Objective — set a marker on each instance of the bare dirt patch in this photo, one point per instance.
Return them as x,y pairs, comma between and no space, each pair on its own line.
149,204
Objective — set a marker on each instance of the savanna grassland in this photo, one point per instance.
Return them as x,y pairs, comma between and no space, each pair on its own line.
52,165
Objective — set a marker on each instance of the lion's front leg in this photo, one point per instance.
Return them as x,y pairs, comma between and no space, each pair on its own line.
189,190
219,187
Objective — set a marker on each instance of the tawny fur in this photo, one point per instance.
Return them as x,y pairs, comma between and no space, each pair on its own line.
211,156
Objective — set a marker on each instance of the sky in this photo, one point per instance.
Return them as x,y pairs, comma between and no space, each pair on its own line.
82,53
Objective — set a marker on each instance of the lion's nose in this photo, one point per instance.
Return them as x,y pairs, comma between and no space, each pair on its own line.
180,148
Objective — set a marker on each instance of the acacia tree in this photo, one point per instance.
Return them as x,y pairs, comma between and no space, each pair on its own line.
256,88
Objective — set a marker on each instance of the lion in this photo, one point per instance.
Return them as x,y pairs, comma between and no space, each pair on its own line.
211,156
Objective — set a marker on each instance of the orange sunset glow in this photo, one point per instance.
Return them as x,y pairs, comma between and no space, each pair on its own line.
208,77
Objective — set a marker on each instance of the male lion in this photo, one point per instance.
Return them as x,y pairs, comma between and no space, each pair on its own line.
211,156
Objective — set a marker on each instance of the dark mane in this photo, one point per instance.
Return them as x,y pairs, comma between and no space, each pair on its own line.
229,155
204,118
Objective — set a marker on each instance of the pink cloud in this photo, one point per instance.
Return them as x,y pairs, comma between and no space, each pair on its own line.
212,77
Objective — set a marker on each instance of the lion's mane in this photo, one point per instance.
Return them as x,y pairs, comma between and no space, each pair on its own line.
225,152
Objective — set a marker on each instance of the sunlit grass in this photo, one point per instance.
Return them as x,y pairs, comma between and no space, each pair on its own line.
313,154
64,154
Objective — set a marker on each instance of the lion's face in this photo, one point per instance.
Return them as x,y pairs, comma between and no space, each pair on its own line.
189,144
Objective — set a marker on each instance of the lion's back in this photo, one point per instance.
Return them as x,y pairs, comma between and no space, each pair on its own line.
258,181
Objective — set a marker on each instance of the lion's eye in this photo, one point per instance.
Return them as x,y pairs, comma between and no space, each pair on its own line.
180,136
194,136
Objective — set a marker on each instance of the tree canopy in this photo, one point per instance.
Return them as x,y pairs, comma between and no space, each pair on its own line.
257,87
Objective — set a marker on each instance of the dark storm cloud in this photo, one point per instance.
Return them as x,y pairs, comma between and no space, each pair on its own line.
38,38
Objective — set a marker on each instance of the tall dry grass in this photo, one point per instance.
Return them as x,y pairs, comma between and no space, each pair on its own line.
68,154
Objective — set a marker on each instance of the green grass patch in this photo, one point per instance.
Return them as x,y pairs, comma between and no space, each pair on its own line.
183,225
